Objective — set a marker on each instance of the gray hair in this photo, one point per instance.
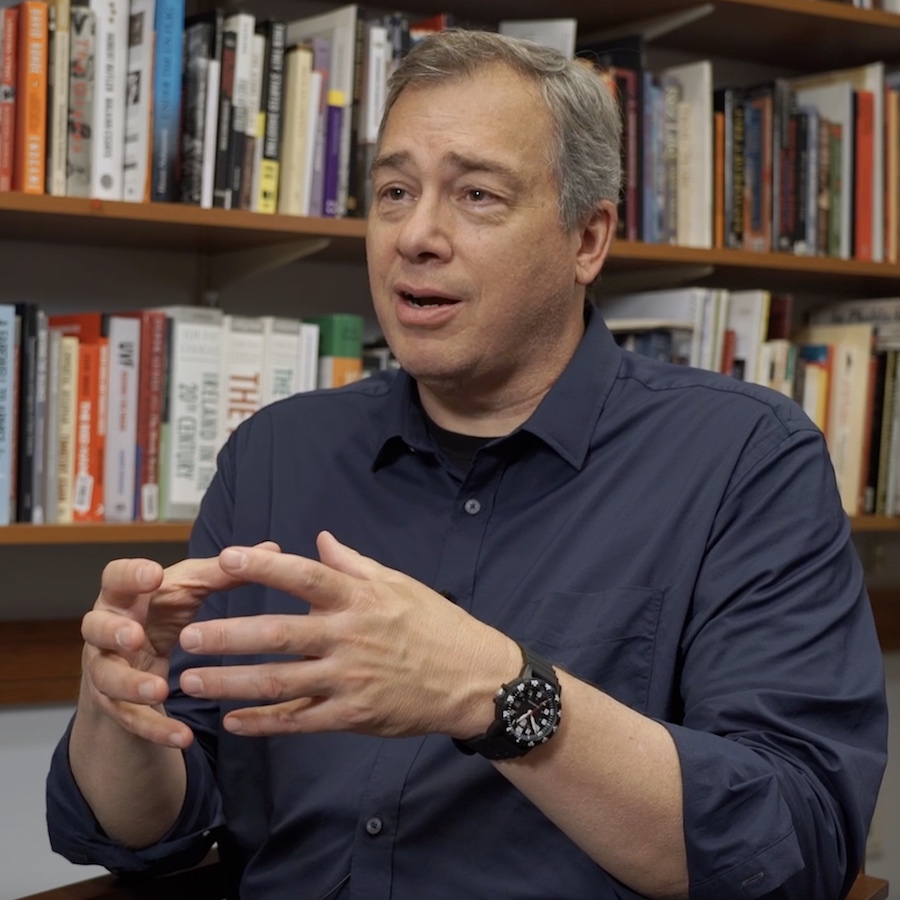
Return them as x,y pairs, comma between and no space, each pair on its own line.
587,121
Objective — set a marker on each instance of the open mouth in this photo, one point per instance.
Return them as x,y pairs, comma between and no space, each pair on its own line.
425,302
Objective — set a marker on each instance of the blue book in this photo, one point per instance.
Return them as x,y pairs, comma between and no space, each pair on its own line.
334,124
167,64
7,406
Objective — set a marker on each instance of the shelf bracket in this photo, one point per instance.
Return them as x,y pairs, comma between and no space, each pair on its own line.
225,267
650,28
649,279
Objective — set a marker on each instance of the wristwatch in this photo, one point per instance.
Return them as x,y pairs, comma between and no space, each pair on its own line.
527,715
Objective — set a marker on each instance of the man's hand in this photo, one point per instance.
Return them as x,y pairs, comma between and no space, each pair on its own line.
383,653
130,633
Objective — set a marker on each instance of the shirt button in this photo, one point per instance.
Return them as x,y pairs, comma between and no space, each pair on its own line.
374,826
472,506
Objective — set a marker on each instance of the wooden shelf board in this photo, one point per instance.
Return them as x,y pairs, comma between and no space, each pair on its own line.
801,35
96,533
168,226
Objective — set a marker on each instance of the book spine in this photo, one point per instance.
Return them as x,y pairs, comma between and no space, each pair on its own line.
224,144
69,352
81,102
281,358
138,102
193,409
40,421
243,26
58,98
253,135
7,407
110,75
210,134
27,373
9,74
293,198
309,357
333,129
197,40
243,346
273,90
29,155
149,415
121,419
167,64
51,426
88,488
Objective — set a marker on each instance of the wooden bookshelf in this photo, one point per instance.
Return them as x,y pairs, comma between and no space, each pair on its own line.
96,533
223,233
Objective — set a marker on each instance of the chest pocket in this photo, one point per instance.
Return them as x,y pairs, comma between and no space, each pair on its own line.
606,638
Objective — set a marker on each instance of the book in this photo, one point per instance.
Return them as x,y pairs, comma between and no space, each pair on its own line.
280,358
300,116
190,432
81,102
242,25
108,119
136,160
166,115
29,154
38,477
224,143
67,428
60,18
308,366
252,148
124,336
7,408
87,501
243,348
338,26
271,103
51,427
334,126
199,46
9,75
340,349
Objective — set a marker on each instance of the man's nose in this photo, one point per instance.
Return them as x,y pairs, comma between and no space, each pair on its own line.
426,229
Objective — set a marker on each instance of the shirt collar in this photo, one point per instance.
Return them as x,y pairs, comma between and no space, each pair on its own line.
564,420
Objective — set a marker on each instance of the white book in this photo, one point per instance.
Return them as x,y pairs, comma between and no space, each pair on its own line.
110,77
210,133
378,59
748,318
309,357
124,335
862,78
243,347
695,178
881,310
250,178
190,431
281,358
556,33
38,481
296,149
138,99
681,304
51,427
58,99
339,27
7,406
243,25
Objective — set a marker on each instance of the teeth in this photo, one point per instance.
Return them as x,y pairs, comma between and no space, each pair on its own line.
413,301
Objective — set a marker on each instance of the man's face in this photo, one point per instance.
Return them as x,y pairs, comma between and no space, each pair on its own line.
476,285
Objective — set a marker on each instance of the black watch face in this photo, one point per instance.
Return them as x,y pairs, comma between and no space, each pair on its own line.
530,710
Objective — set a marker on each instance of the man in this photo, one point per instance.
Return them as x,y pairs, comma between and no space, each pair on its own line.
647,566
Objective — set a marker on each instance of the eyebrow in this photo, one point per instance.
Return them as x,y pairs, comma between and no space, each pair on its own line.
464,163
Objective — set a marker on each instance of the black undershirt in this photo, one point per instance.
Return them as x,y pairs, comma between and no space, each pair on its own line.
459,449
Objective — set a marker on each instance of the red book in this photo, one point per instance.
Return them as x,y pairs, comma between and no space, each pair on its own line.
863,176
9,73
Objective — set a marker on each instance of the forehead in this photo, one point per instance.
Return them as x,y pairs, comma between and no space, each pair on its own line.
496,109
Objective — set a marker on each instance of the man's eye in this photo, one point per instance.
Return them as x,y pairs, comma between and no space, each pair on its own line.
395,193
478,195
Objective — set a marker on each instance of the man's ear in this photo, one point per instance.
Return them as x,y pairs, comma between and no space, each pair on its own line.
596,237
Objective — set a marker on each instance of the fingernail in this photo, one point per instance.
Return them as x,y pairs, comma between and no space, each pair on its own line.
177,739
191,684
191,638
233,558
148,690
235,726
122,637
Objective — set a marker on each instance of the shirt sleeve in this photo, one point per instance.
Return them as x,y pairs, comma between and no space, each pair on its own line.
74,831
76,834
783,739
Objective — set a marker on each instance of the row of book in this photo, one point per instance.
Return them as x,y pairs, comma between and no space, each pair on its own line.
807,165
840,366
120,416
138,102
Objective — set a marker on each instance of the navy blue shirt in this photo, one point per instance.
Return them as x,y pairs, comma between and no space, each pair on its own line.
672,536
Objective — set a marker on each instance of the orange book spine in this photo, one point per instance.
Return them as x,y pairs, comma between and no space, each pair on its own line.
9,74
719,179
30,154
90,431
864,183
